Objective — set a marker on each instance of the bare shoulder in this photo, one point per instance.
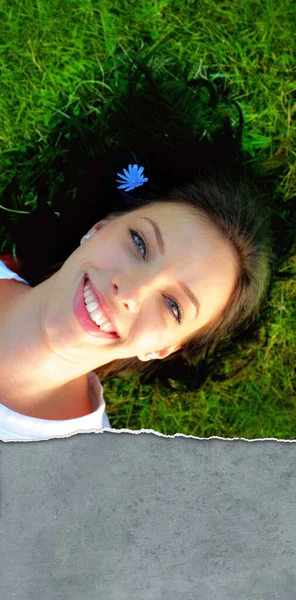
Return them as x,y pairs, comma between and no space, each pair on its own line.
10,289
12,286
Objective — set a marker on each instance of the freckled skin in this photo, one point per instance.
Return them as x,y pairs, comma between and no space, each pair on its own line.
51,352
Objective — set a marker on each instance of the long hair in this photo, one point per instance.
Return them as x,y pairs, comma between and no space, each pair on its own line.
188,137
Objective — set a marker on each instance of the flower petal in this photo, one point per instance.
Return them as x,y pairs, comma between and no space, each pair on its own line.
121,187
133,178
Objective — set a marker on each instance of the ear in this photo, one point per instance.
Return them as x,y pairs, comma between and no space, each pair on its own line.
159,354
97,226
167,351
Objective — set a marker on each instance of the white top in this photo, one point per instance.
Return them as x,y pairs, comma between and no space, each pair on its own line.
17,427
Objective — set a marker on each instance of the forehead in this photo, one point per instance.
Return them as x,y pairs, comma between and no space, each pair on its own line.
183,227
195,253
173,217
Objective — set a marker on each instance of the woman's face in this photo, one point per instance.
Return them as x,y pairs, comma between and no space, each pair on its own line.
154,266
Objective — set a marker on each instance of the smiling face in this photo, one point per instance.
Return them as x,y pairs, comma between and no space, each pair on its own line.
164,273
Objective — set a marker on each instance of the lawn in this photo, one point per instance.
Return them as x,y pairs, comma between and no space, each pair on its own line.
61,60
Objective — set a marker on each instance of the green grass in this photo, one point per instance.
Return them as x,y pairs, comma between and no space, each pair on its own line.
259,402
57,58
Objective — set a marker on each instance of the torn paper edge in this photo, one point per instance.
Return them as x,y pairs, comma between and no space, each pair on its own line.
137,431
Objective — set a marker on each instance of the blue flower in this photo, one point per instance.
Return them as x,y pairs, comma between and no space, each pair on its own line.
132,178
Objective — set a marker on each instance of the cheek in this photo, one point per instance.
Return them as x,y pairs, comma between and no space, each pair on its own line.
112,252
147,333
106,256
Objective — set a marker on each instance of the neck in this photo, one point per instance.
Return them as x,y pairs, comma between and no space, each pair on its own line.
34,379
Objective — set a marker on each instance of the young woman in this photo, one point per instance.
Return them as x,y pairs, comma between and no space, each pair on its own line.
174,268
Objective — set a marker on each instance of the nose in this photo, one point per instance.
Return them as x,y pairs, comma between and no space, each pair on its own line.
129,298
133,291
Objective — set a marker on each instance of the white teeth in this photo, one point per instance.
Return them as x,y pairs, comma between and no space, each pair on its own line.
93,310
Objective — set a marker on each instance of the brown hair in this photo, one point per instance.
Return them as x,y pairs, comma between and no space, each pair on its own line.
233,207
210,175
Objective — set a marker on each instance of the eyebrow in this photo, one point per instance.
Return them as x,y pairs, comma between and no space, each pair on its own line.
181,284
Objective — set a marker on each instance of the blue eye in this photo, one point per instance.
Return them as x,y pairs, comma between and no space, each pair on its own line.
135,234
139,238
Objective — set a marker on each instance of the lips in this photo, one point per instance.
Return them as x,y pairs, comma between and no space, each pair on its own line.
83,318
102,303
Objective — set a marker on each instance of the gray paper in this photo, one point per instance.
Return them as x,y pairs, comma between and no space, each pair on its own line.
121,516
